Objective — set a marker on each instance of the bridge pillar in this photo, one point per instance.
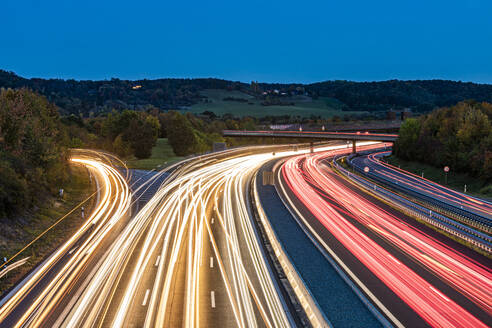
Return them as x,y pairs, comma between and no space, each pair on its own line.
354,149
311,146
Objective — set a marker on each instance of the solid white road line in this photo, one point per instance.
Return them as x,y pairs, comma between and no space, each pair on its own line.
157,261
211,262
314,235
212,298
146,297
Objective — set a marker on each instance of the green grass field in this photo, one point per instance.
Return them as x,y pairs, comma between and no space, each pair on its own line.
162,154
456,181
304,106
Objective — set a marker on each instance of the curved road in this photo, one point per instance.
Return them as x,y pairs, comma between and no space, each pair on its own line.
395,176
413,278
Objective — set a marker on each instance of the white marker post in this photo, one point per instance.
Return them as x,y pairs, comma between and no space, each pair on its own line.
446,170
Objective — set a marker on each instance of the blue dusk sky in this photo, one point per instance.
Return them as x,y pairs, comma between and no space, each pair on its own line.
268,41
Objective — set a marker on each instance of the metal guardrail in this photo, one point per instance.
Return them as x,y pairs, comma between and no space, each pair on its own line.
476,219
13,266
430,204
315,316
468,234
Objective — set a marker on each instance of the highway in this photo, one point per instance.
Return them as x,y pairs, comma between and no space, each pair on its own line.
53,281
191,256
473,234
198,261
464,204
410,273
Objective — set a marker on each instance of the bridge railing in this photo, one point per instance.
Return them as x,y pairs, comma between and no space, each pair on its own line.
312,134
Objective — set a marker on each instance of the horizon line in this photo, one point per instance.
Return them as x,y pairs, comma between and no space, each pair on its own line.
235,81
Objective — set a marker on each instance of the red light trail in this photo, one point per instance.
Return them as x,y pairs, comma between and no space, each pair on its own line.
469,277
424,185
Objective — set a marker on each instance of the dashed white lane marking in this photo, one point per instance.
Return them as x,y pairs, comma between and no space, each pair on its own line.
211,262
212,298
212,221
73,250
157,261
146,297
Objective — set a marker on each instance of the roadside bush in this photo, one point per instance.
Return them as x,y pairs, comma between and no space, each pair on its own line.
487,190
13,191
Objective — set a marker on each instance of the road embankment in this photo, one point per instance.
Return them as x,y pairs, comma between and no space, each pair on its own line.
18,232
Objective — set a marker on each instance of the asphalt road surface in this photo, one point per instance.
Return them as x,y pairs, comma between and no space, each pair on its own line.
414,278
403,179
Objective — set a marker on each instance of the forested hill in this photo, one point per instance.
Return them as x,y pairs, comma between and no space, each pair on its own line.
74,97
419,95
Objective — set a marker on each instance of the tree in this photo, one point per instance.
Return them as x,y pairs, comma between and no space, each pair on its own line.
121,147
142,134
13,190
131,132
459,136
408,136
181,135
33,145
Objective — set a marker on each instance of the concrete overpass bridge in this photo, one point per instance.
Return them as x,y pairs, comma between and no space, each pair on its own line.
350,136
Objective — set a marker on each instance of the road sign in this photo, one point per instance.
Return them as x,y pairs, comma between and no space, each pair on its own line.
446,170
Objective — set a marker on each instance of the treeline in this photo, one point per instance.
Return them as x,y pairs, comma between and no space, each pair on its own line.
459,136
188,134
94,97
33,150
420,95
35,141
91,98
134,133
127,133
